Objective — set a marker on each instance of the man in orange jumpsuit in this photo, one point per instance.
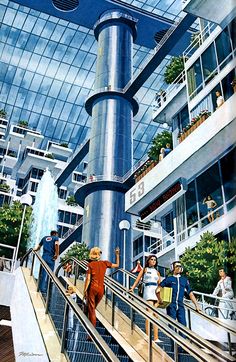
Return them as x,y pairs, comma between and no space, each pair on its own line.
94,283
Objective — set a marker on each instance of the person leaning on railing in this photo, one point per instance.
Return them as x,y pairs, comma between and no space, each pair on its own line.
224,289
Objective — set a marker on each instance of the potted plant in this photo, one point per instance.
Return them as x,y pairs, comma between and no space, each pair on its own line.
71,201
188,129
173,70
3,113
204,115
4,188
23,124
50,155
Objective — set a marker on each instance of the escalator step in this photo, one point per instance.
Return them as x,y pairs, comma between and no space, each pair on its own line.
82,336
85,357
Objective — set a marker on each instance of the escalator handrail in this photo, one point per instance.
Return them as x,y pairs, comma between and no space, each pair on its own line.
105,350
210,319
141,305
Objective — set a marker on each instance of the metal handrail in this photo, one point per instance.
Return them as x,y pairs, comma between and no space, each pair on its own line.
73,228
188,306
200,38
140,305
105,350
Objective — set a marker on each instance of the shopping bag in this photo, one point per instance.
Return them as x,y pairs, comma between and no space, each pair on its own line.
140,289
166,297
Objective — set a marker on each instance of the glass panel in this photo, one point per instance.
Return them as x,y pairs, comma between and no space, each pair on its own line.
229,177
194,78
209,64
232,31
191,206
209,194
223,48
227,87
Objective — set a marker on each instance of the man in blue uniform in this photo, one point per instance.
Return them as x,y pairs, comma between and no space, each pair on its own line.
50,246
179,285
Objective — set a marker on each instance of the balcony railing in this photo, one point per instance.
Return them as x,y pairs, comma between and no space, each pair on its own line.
194,228
203,222
199,39
168,93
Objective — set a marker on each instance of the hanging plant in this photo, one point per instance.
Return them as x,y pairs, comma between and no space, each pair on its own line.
158,142
173,70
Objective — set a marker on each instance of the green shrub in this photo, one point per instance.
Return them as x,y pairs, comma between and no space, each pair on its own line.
173,69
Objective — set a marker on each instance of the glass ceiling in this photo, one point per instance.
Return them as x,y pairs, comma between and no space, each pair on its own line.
47,69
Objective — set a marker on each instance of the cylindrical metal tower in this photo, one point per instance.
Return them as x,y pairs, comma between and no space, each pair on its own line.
110,151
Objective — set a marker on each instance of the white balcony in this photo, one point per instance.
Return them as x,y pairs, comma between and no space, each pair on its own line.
60,151
8,161
24,136
217,12
36,158
196,152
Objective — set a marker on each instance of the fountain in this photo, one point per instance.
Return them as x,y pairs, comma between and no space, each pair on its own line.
45,210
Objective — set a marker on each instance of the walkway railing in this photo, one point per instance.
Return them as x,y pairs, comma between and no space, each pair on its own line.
214,306
193,344
69,304
73,228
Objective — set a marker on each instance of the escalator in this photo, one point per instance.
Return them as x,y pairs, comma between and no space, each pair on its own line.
106,343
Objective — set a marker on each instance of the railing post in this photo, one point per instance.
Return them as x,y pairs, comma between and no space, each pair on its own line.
32,265
131,318
39,277
229,343
47,295
176,356
65,320
189,319
149,341
112,309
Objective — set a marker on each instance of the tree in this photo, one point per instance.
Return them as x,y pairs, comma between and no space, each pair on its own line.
10,221
159,141
79,251
202,263
173,70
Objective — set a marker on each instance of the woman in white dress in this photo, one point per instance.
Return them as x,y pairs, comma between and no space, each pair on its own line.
224,287
151,279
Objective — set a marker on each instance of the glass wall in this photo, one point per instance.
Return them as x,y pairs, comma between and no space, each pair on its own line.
208,197
228,169
195,79
212,60
138,246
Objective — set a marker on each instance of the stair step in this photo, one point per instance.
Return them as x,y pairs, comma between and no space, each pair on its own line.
82,336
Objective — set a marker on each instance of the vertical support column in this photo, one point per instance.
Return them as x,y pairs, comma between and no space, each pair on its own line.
110,151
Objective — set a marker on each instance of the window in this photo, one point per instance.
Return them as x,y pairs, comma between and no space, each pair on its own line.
194,78
208,184
223,48
232,31
138,246
62,193
209,64
229,177
191,204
